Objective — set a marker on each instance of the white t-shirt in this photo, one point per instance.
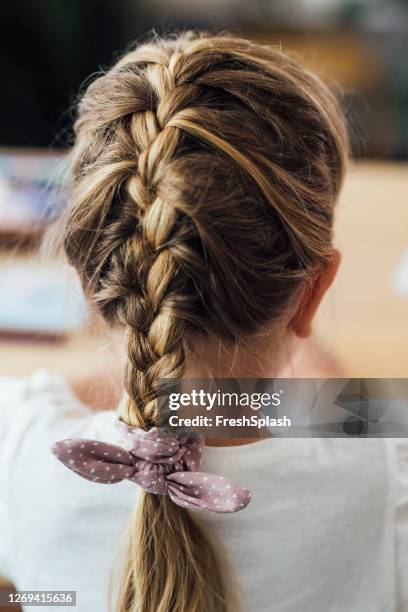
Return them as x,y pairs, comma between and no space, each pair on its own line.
326,530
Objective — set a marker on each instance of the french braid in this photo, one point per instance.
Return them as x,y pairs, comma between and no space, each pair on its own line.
203,181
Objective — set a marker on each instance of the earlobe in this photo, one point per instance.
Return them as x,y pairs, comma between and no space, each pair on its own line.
312,295
302,331
301,322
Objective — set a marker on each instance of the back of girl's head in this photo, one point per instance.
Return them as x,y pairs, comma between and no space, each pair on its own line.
203,182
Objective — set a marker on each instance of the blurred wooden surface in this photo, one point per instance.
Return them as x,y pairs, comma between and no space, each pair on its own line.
362,328
364,320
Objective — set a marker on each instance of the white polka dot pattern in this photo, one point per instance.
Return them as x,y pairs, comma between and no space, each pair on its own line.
158,461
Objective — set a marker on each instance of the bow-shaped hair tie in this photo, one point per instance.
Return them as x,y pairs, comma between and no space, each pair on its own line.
160,462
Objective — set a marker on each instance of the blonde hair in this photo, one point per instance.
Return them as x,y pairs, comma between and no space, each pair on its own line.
203,181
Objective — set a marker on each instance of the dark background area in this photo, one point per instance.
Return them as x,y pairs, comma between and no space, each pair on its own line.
50,47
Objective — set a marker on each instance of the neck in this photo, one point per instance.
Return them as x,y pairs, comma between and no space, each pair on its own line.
259,357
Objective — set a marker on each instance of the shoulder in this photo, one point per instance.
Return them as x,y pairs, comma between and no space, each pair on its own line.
41,382
29,401
35,411
28,408
41,502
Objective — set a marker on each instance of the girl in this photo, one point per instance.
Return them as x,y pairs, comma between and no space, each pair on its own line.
202,191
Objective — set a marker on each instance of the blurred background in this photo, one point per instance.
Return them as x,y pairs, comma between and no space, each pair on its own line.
49,50
51,47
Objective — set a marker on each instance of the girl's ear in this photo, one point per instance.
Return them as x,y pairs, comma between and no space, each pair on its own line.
301,323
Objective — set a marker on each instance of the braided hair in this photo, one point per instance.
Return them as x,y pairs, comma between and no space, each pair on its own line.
202,188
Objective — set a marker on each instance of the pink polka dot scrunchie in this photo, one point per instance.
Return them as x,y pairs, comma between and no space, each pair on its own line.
158,461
